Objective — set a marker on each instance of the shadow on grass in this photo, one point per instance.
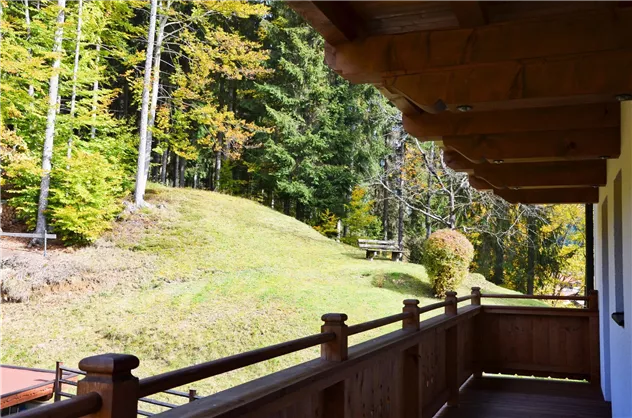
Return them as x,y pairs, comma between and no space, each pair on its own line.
402,283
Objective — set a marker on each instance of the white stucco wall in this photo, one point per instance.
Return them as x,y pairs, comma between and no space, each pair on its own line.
616,342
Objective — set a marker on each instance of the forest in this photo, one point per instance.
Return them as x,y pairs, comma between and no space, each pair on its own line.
100,97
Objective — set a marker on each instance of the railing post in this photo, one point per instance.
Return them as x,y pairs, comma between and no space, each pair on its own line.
593,340
110,375
451,353
412,322
336,350
192,395
411,372
476,295
59,374
593,300
450,309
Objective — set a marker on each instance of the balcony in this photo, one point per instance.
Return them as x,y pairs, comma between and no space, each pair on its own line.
445,366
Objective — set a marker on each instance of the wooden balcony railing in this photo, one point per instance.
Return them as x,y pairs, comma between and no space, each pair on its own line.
410,372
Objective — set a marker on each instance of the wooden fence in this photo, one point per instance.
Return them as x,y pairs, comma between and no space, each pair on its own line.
410,372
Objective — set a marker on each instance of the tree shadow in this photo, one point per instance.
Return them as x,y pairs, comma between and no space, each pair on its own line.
402,283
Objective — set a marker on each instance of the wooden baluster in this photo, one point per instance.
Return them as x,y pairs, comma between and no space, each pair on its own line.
476,295
110,375
336,350
412,306
451,353
59,374
451,308
593,340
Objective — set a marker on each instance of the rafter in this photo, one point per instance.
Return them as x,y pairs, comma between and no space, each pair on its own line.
586,144
376,57
336,21
432,127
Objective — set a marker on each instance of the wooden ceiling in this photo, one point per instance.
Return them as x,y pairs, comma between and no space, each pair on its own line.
523,96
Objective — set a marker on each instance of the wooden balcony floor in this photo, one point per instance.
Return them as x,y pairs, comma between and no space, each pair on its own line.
498,397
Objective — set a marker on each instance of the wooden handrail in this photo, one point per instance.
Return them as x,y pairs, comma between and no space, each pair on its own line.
540,297
175,378
463,298
434,306
75,407
376,323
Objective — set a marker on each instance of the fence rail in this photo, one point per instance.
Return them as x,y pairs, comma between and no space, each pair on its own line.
437,354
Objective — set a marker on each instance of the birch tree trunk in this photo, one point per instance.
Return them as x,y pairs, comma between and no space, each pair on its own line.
27,18
141,179
400,190
53,93
155,84
75,70
95,93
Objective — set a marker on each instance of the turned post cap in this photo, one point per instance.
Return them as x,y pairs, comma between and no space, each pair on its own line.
334,317
110,363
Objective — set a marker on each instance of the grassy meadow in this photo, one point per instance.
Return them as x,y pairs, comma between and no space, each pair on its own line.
218,275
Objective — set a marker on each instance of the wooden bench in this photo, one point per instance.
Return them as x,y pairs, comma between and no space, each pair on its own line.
373,246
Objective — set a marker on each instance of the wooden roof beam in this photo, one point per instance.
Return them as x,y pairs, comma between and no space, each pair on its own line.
531,175
371,59
336,21
551,196
586,144
540,196
578,79
433,127
536,175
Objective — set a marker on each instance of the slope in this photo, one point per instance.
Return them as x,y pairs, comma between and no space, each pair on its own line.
200,276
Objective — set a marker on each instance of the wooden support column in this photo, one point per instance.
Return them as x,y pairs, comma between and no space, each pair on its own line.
452,352
336,350
110,375
590,250
411,373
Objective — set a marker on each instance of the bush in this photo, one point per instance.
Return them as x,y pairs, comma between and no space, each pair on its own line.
447,256
84,197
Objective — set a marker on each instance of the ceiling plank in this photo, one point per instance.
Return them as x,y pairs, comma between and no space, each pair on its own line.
538,175
432,127
470,14
336,21
587,144
587,78
551,196
375,57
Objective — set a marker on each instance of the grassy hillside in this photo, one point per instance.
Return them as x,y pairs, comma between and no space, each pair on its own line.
197,277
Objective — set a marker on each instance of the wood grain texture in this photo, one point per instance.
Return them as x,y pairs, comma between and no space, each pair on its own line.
544,345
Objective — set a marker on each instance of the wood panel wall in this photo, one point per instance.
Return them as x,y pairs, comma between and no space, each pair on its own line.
548,342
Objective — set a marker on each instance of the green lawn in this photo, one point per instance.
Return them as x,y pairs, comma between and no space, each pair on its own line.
227,275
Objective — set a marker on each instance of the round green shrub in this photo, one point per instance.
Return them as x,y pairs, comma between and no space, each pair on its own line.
447,255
